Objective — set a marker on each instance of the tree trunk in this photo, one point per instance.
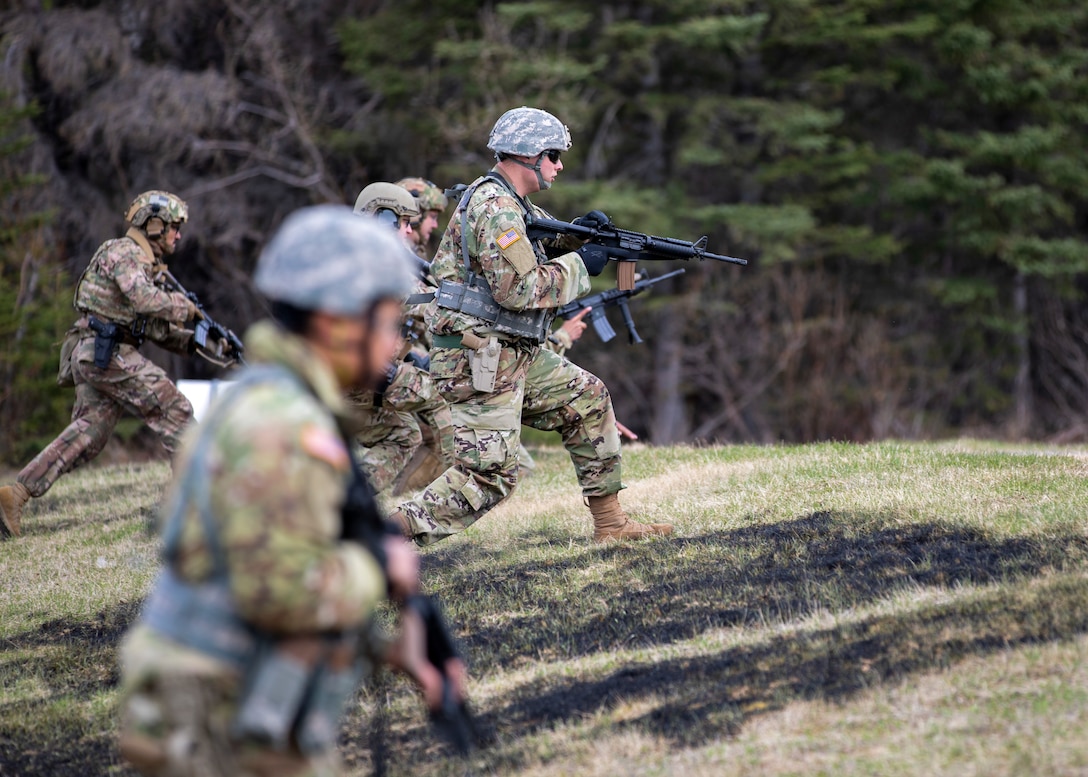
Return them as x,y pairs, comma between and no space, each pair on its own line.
669,423
1025,407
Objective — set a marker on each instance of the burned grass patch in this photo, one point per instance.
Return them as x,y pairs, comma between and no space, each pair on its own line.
71,662
570,605
695,700
656,593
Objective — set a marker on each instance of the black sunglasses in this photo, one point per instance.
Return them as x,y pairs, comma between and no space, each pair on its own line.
553,155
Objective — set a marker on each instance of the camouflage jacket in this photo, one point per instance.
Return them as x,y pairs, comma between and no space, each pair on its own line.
279,472
520,274
118,285
415,318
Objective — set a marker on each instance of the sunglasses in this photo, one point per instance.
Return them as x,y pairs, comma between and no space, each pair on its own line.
553,155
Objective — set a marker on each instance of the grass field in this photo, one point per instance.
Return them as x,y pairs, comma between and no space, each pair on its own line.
833,609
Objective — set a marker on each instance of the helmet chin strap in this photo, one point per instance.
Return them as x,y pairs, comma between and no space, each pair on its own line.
536,169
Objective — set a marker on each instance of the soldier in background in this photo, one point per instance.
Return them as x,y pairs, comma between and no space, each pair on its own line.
432,203
494,310
118,297
430,458
406,409
245,652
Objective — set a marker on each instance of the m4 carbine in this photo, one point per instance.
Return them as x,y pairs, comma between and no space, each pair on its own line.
598,303
623,245
206,327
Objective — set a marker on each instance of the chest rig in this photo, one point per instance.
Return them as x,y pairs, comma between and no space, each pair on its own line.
473,297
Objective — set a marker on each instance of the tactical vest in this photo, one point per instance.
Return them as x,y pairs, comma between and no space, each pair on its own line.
474,297
283,700
134,326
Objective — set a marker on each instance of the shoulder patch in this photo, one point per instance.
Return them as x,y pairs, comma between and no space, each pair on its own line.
325,446
508,238
518,252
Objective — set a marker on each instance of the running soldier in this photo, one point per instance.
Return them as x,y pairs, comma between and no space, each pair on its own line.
492,313
120,306
393,418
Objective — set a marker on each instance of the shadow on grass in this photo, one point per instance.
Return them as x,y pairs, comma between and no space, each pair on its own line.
582,601
69,659
767,573
749,576
41,521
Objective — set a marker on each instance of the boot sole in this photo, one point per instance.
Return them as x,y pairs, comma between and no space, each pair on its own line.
635,537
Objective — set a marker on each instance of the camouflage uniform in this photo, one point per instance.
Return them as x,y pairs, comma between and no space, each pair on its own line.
280,469
256,566
534,385
409,412
118,286
558,342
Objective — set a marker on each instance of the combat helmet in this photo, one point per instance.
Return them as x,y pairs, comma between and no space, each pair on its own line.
324,258
427,194
152,211
528,131
387,202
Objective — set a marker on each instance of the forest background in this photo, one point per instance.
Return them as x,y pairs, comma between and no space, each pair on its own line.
909,181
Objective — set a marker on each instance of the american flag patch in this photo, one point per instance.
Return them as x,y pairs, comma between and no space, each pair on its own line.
325,445
508,239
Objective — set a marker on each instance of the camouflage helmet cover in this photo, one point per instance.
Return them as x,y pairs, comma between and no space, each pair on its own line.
167,207
386,195
325,258
528,131
429,196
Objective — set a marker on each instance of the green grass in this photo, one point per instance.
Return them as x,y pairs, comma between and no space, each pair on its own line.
882,609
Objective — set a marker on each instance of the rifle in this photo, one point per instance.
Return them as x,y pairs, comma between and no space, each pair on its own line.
206,326
361,522
599,302
625,246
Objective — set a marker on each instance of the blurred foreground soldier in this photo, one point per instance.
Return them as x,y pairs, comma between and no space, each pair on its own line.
120,306
432,202
491,316
245,654
406,410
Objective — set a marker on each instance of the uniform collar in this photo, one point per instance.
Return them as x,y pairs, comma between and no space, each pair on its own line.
268,342
140,239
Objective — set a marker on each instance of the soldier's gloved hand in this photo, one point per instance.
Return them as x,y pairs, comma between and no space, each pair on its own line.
595,219
594,257
420,360
193,312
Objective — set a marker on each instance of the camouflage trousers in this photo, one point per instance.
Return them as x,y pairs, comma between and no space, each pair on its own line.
412,413
535,387
177,710
131,383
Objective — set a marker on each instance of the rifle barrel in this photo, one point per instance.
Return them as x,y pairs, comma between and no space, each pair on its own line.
651,246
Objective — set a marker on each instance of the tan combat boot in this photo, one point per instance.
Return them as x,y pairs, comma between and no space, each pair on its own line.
610,522
12,499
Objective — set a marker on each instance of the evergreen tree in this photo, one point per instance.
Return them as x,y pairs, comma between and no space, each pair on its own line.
35,303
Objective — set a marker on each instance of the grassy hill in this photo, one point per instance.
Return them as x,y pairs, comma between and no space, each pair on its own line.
882,609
